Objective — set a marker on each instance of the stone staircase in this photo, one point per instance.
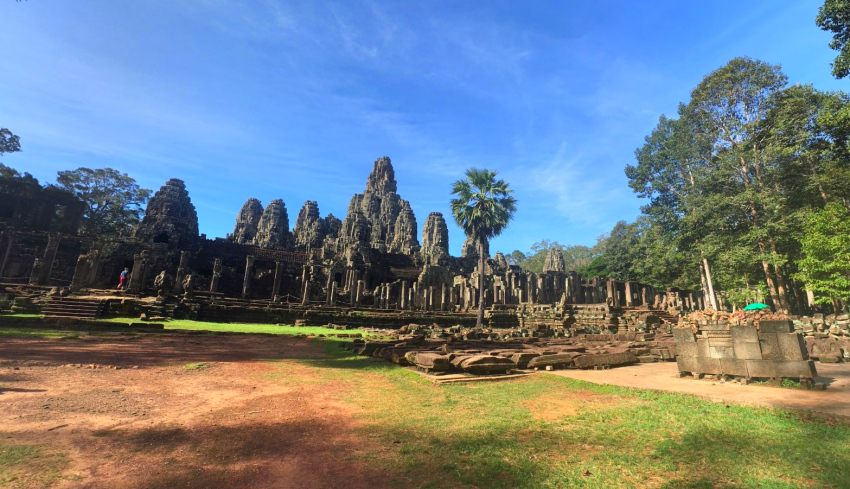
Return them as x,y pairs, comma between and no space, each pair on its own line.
68,308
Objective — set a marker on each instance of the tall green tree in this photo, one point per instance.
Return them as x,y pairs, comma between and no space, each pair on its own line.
114,201
729,105
483,208
834,16
825,267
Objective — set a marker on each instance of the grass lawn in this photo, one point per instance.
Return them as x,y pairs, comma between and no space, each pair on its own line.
549,431
185,324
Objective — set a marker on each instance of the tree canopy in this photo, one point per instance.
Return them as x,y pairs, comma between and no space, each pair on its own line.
114,201
834,16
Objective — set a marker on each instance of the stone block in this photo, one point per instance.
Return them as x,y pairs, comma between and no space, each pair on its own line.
714,326
558,360
783,326
433,361
687,350
687,364
707,365
683,335
792,347
804,369
746,334
721,352
769,346
761,368
522,359
747,350
731,366
605,360
482,364
702,348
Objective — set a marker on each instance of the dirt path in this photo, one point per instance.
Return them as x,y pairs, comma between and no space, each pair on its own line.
662,376
126,412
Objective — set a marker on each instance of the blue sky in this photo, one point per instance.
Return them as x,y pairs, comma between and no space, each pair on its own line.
295,100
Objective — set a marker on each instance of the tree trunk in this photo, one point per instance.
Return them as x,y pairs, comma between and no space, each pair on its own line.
479,323
782,287
708,280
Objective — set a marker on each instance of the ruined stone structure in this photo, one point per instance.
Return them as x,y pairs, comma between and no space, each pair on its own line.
770,350
247,222
170,217
371,259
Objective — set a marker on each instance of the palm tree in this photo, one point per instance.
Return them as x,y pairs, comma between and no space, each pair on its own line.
483,208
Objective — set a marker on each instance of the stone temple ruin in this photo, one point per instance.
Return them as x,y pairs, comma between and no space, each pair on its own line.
369,269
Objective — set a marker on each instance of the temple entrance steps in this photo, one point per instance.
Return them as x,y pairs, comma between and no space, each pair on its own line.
68,308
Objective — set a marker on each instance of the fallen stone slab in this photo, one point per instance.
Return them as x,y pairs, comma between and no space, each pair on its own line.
559,360
433,361
482,364
521,359
605,360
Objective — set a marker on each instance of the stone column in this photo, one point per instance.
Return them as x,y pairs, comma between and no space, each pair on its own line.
48,258
443,298
329,286
403,296
9,241
415,302
305,287
216,275
629,300
35,273
358,296
332,294
137,276
182,270
278,278
246,281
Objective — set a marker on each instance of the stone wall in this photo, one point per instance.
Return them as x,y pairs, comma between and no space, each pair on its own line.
773,350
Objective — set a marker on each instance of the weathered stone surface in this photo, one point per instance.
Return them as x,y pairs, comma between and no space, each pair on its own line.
683,335
605,360
170,217
246,222
332,226
747,350
435,238
792,347
273,227
309,231
487,364
522,359
470,249
390,226
554,261
556,360
804,369
783,326
499,261
433,361
404,238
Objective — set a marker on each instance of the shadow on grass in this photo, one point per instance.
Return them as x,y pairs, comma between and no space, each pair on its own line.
265,453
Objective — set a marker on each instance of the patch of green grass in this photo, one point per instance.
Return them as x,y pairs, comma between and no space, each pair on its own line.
29,466
186,324
196,366
21,332
510,434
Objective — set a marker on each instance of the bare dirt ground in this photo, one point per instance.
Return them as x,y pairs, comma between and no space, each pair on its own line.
835,400
126,412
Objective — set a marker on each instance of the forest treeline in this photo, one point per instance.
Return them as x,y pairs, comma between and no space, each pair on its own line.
747,194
